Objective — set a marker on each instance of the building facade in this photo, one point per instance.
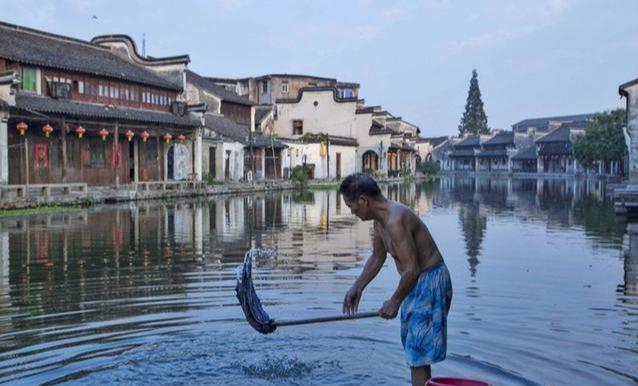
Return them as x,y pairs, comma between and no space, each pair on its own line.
77,111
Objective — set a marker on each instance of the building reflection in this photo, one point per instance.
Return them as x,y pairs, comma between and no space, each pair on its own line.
630,287
560,203
56,263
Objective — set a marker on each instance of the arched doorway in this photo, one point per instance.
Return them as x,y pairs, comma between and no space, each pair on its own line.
370,161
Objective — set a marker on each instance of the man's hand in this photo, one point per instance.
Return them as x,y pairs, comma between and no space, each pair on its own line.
390,309
351,301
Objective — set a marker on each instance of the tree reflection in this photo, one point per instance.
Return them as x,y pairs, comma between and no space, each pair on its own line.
473,225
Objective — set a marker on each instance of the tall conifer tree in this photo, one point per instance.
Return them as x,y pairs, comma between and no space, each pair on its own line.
474,120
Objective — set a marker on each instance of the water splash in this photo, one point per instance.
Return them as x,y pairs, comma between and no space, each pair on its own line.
283,367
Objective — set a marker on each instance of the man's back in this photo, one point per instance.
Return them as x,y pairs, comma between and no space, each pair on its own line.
407,221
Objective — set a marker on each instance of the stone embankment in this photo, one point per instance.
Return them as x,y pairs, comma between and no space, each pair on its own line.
14,197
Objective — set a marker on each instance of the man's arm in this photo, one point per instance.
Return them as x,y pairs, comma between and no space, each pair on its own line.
405,247
370,270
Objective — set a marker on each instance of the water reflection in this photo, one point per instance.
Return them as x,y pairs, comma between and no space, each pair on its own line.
630,285
92,283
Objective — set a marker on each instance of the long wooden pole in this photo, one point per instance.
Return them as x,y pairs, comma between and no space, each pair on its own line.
326,319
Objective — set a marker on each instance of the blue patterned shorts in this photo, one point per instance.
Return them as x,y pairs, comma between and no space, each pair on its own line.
424,317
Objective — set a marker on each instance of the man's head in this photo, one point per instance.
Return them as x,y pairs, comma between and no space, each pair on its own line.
358,191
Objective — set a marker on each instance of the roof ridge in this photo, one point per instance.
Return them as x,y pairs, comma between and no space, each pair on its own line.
45,34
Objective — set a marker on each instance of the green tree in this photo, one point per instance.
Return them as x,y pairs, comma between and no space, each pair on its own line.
603,139
474,120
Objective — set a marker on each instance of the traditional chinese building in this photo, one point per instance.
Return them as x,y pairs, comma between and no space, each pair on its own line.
555,154
495,152
78,111
526,160
463,154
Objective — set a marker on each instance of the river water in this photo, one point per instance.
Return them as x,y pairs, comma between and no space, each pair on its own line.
545,289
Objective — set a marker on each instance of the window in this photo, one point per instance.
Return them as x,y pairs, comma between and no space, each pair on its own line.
284,88
79,87
264,87
29,77
115,92
345,93
297,127
100,90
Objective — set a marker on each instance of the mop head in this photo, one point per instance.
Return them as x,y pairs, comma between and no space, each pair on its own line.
250,304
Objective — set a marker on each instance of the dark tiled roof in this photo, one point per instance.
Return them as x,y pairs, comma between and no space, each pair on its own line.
462,153
622,87
382,132
38,48
470,141
335,95
221,80
434,141
261,113
342,141
27,102
502,138
334,140
529,153
492,153
555,148
576,124
232,131
558,135
294,76
216,90
365,110
401,147
542,124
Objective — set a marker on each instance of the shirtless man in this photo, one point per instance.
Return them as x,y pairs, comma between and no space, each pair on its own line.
424,292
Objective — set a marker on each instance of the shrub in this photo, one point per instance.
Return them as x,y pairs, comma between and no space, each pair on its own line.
430,167
210,180
298,175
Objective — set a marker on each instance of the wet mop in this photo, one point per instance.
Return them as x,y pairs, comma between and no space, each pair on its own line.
257,317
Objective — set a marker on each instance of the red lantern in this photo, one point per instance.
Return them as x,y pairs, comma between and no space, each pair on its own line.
80,131
103,133
167,138
129,135
181,138
22,127
47,130
145,135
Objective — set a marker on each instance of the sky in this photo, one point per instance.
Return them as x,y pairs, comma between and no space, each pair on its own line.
534,58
